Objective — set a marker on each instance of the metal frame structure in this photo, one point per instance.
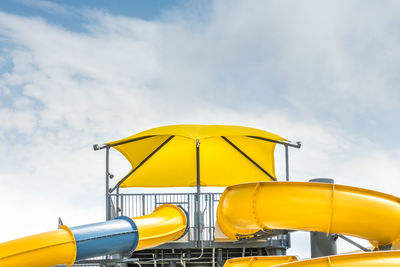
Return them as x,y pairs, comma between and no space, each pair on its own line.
117,204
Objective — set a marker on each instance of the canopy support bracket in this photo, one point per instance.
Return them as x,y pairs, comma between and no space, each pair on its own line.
141,163
247,157
291,144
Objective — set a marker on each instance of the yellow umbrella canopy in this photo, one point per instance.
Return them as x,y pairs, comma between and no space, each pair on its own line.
188,155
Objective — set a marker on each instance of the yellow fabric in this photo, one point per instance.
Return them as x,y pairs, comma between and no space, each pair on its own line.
223,165
136,152
194,131
174,165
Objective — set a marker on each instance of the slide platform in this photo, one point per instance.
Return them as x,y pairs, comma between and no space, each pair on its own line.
246,209
122,235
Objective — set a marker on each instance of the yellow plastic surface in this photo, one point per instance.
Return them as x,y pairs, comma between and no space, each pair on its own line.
370,259
166,223
195,131
174,165
261,261
247,208
45,249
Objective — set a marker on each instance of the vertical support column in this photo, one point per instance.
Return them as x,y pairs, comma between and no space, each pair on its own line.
198,227
287,161
117,202
288,238
108,204
220,257
322,244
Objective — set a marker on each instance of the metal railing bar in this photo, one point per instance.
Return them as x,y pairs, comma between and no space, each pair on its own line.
172,202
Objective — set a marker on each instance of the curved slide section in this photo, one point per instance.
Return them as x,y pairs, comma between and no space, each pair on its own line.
261,261
166,223
248,208
45,249
121,235
370,259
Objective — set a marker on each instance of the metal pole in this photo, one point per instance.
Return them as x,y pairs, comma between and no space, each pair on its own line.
117,203
108,212
287,161
355,243
288,239
321,243
198,235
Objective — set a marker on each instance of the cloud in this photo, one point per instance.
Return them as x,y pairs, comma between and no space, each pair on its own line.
320,73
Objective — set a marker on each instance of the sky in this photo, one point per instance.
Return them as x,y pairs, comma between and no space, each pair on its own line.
75,73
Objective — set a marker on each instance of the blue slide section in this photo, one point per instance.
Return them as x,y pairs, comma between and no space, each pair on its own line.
105,238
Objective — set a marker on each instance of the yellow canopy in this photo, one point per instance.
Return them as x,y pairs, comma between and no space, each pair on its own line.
185,155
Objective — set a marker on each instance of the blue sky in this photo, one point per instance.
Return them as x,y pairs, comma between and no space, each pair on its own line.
66,13
74,73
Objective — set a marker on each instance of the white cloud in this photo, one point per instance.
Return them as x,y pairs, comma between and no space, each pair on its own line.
308,72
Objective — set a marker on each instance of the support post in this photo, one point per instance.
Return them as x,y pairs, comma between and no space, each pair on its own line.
198,234
220,257
287,161
322,244
288,238
117,202
108,204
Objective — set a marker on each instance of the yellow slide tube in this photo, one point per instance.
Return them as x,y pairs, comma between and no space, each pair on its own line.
370,259
166,223
248,208
261,261
45,249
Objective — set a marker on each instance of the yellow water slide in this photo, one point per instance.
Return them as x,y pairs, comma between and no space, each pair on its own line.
370,259
260,261
121,235
166,223
246,209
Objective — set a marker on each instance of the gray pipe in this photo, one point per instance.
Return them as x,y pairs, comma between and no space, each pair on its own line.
321,244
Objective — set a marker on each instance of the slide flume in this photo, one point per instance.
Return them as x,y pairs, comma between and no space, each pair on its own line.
259,261
370,259
121,235
245,209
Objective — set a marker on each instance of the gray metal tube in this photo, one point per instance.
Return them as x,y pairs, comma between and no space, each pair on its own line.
289,240
108,206
198,222
287,161
322,244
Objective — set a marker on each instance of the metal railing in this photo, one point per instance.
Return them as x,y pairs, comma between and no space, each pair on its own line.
134,205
